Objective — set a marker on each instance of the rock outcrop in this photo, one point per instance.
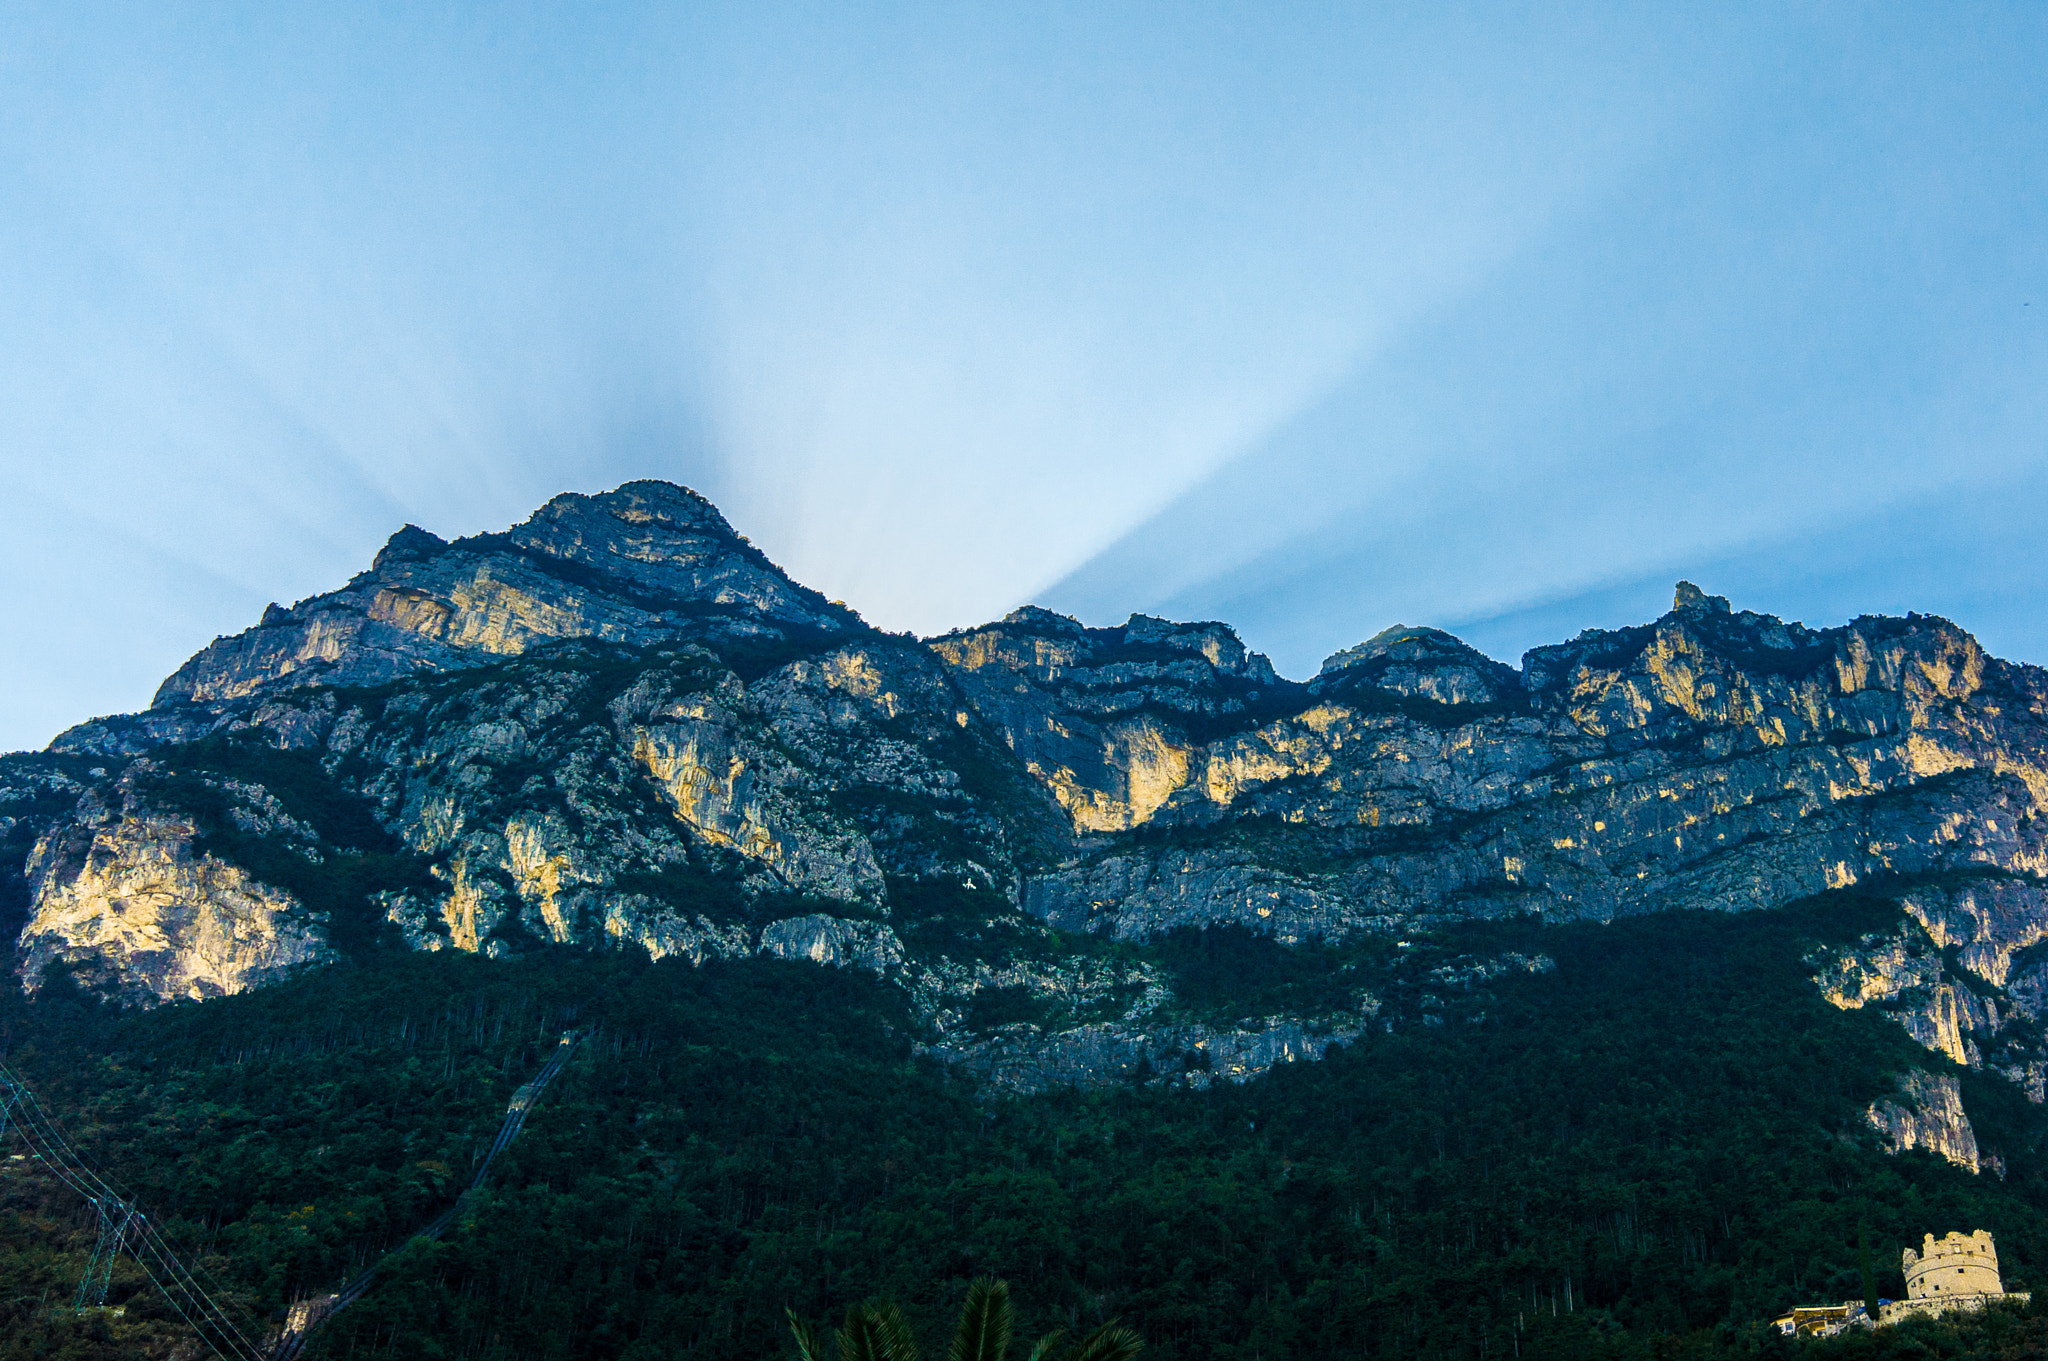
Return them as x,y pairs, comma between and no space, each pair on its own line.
121,895
649,562
1195,1056
1928,1114
1104,717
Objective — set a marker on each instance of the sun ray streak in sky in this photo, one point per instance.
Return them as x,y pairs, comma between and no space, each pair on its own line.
1310,319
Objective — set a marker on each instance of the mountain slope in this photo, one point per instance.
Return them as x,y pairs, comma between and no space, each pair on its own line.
1646,1149
1596,1002
618,724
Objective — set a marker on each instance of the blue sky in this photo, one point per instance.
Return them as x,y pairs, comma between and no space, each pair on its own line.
1311,318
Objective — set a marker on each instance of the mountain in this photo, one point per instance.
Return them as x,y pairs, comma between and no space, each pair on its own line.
647,563
619,726
618,722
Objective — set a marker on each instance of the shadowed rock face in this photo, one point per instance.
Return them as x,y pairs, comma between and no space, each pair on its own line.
1102,717
648,562
619,723
1420,663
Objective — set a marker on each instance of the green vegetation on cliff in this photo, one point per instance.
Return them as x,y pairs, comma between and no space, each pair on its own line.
1646,1151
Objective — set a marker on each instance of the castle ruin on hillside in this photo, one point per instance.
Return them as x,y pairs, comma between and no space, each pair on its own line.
1957,1274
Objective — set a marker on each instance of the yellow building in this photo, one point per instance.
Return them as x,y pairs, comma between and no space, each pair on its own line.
1818,1320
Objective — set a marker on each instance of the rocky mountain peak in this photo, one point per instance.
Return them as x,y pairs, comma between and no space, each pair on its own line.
677,746
1420,663
409,544
663,540
646,563
1056,648
1691,600
1038,619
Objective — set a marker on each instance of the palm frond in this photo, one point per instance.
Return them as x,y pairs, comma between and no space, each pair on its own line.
984,1333
1048,1346
1111,1342
898,1344
860,1337
807,1348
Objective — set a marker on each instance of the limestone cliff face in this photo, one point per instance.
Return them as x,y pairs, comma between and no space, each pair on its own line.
1984,1009
659,799
119,892
742,794
1928,1114
645,563
1103,716
618,723
1719,760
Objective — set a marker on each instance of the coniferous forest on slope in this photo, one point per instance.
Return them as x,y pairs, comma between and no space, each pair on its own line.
1645,1152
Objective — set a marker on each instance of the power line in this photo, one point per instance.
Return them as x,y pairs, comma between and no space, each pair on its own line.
120,1223
311,1314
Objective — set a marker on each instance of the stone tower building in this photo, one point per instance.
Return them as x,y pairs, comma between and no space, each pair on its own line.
1954,1266
1955,1275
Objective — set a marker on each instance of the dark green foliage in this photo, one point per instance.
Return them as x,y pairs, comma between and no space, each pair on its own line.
1110,1342
688,888
1647,1152
1738,638
990,772
993,1008
872,1332
298,781
879,1332
751,660
1227,971
946,918
906,820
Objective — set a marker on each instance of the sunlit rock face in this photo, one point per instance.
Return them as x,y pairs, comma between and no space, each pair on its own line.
737,790
618,724
1927,1113
1985,1009
1713,759
119,892
1107,719
644,563
833,940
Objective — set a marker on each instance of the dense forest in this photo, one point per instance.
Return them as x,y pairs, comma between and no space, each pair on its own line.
1646,1151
